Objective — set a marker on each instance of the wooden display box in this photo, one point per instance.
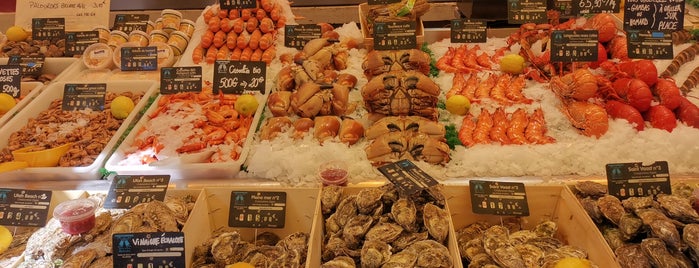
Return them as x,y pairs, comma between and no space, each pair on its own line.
369,39
556,203
211,212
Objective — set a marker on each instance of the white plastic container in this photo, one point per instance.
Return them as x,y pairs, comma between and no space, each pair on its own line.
42,103
98,56
28,91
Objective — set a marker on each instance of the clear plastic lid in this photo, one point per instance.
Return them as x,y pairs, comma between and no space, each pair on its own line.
75,210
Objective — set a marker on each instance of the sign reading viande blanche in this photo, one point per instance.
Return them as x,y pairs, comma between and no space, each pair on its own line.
80,15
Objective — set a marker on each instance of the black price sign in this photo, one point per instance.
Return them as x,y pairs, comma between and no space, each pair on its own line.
11,80
128,191
77,42
395,35
84,96
649,44
235,4
257,209
498,198
180,79
595,6
565,7
31,66
525,11
297,36
383,2
142,250
24,207
468,31
657,15
131,22
634,179
239,77
139,58
409,178
574,46
48,28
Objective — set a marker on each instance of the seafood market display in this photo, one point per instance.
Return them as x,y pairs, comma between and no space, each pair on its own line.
226,247
649,231
380,227
393,138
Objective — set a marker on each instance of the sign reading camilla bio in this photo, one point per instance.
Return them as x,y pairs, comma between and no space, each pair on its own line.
80,15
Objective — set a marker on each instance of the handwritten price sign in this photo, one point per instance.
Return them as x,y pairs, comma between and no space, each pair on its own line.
80,15
595,6
238,77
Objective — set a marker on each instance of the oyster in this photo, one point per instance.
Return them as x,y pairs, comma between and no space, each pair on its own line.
266,238
590,189
355,229
296,242
636,203
531,255
405,258
368,200
387,232
632,256
690,235
339,262
657,253
436,221
80,259
546,229
481,260
431,253
330,198
547,244
473,248
336,246
678,208
666,231
225,248
406,239
683,190
179,207
508,256
346,210
521,237
494,237
404,213
572,251
611,208
590,206
613,237
629,226
471,231
375,253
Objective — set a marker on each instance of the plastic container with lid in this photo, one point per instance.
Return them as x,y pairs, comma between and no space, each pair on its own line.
187,26
117,38
98,56
166,57
139,37
333,173
76,216
171,20
158,36
103,32
178,41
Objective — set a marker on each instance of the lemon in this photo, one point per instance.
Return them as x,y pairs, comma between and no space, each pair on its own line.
121,107
7,102
246,105
570,262
512,64
458,104
240,265
16,33
5,238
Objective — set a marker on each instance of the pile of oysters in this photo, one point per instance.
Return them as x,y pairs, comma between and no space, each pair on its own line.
383,227
227,247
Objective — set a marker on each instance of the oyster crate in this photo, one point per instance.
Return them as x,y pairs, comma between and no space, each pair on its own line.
211,212
369,39
546,202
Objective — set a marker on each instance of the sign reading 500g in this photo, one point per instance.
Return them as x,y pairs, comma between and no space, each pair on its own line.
238,77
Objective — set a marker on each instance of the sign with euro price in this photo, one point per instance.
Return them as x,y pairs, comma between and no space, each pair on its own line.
148,250
84,96
498,198
257,209
649,44
580,7
180,79
237,4
468,31
21,207
395,35
77,42
48,28
11,80
574,46
297,36
526,11
30,65
239,77
131,22
408,177
126,191
626,180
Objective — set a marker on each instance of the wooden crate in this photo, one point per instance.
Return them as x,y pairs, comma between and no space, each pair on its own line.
369,39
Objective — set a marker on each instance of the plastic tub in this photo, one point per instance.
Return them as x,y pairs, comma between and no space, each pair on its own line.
140,37
166,57
333,173
76,216
178,41
187,26
98,56
171,20
104,35
117,38
158,36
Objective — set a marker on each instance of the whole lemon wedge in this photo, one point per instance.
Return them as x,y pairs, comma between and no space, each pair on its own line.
121,107
571,262
16,33
246,105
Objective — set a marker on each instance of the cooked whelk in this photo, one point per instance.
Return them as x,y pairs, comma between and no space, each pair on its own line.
436,221
632,256
678,208
404,213
330,198
375,253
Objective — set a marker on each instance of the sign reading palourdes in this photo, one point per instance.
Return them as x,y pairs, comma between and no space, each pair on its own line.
657,15
79,15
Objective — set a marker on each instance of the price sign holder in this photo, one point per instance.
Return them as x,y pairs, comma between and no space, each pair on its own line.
11,80
409,178
395,35
30,65
48,28
649,44
655,15
468,31
297,36
237,4
84,96
158,249
525,11
128,191
139,58
20,207
595,6
498,198
239,77
257,209
131,22
77,42
574,46
180,79
626,180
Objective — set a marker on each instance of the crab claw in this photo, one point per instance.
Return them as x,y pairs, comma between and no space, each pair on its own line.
279,103
305,102
340,98
273,126
387,148
325,127
423,147
301,127
351,131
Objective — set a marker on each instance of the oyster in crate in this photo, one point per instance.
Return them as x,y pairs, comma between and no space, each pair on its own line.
590,189
611,208
678,208
375,253
632,256
339,262
437,222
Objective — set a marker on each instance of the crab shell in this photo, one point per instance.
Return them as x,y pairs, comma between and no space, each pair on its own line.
428,149
405,123
402,93
378,62
313,99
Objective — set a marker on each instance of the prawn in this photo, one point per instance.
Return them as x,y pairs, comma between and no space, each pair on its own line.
535,132
444,62
498,132
514,91
483,89
481,133
518,123
465,134
497,93
458,83
469,90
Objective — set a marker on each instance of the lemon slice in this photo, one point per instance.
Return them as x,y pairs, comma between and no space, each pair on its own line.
7,102
240,265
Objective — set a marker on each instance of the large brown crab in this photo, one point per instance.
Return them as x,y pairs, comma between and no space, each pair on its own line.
402,93
383,61
330,96
412,137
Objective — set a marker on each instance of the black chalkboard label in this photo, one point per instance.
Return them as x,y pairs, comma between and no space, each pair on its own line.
649,44
656,15
409,178
131,22
257,209
382,2
77,42
11,80
234,4
128,191
148,250
48,28
634,179
239,77
498,198
139,58
180,79
395,35
20,207
525,11
84,96
297,36
468,31
32,66
595,6
565,7
574,46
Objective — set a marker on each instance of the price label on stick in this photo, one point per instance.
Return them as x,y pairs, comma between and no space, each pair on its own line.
31,66
656,15
525,11
395,35
626,180
409,178
180,79
77,42
257,209
297,36
237,4
83,96
239,77
468,31
649,44
595,6
128,191
574,46
139,58
11,80
131,22
79,15
20,207
498,198
158,249
48,28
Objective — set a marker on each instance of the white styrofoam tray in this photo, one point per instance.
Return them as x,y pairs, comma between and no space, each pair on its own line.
28,91
42,102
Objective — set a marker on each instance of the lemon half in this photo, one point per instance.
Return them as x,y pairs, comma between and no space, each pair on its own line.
16,33
458,104
571,262
240,265
5,239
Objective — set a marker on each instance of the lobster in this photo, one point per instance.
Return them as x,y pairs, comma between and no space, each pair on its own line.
641,69
661,117
591,119
632,91
668,93
605,24
579,85
688,113
617,109
618,48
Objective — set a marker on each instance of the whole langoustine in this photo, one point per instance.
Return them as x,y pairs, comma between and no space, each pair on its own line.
535,132
591,119
579,85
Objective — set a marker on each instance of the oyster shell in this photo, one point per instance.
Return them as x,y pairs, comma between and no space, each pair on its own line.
613,237
346,210
590,206
636,203
405,258
80,259
387,232
494,237
632,256
611,208
546,229
406,239
375,253
683,190
508,256
336,246
431,253
436,221
296,242
339,262
355,229
472,249
225,248
531,255
590,189
690,235
481,260
330,198
657,253
521,237
266,238
629,226
678,208
368,199
404,213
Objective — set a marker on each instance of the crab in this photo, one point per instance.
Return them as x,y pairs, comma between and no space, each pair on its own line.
414,138
402,93
384,61
312,98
